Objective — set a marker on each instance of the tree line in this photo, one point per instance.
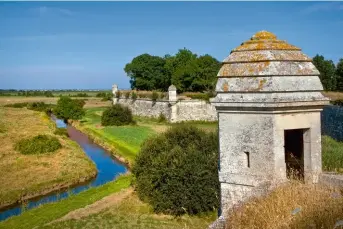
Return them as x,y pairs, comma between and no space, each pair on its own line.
331,75
192,73
186,70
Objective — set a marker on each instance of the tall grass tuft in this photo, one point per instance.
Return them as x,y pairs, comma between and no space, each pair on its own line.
39,144
294,205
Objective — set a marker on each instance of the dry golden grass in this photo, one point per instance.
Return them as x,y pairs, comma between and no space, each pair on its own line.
90,101
29,175
317,206
333,95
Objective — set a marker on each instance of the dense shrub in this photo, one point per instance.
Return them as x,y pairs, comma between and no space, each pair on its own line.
68,108
17,105
38,106
39,144
176,172
61,131
117,115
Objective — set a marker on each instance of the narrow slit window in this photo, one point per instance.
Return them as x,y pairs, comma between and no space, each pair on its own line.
247,154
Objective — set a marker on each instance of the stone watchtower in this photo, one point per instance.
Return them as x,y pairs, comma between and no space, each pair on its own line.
268,103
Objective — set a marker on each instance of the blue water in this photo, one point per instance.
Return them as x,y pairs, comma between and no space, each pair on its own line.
108,169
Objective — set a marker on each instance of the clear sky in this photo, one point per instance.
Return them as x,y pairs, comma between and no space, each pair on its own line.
85,45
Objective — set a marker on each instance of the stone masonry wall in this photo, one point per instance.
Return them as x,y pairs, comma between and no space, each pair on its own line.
187,110
146,107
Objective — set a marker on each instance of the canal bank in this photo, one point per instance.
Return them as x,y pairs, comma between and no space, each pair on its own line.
108,169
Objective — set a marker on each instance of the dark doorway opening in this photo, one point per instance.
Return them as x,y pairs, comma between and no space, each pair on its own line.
294,153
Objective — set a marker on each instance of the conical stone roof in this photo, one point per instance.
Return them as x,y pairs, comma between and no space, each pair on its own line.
267,72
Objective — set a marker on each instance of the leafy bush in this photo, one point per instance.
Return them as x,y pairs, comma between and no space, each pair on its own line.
61,131
176,172
37,106
162,118
17,105
39,144
68,108
117,115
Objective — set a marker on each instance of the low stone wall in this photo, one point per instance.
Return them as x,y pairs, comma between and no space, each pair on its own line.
146,107
183,110
187,110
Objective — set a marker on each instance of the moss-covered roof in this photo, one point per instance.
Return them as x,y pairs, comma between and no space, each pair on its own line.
264,54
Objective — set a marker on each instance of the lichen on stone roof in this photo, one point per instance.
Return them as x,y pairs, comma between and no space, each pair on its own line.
264,54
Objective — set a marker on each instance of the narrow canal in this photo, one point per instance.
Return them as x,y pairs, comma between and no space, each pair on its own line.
108,169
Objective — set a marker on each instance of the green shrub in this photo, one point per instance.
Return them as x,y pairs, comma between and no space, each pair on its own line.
134,95
37,106
68,108
117,115
61,131
17,105
39,144
127,94
154,96
176,172
162,118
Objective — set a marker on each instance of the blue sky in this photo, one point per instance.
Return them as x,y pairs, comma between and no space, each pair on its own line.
46,45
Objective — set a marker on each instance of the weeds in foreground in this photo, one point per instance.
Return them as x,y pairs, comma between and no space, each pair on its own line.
293,205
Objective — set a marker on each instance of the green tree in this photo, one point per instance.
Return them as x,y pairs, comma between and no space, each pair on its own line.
207,71
147,73
68,108
327,72
339,75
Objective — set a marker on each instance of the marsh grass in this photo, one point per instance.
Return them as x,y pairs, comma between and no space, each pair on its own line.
27,175
292,205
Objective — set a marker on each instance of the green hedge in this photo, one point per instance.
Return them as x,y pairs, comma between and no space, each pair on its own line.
176,172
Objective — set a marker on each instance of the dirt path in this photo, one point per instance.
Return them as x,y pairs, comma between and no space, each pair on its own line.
97,206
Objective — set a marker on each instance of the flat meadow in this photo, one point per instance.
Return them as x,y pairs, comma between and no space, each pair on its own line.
24,176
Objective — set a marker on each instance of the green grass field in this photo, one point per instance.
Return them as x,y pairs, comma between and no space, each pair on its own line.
126,140
48,212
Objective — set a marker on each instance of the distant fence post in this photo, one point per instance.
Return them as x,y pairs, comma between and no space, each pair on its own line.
172,96
114,91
